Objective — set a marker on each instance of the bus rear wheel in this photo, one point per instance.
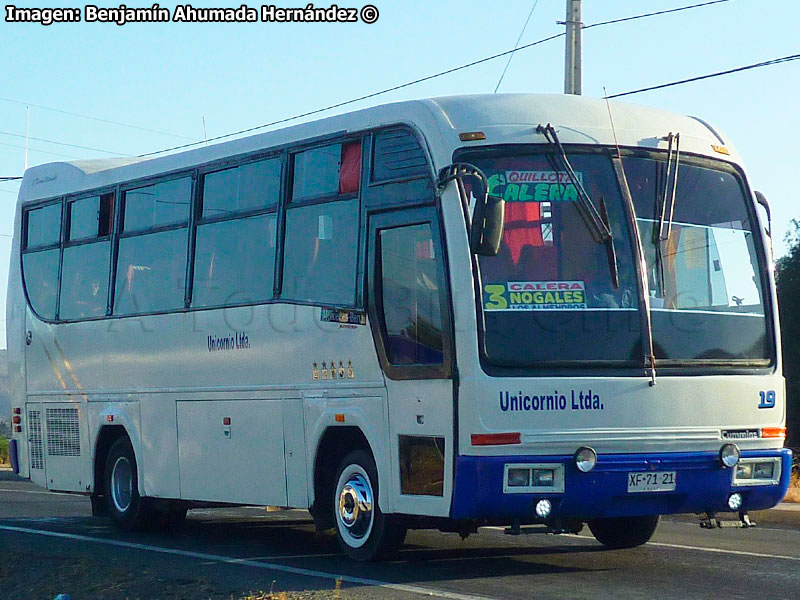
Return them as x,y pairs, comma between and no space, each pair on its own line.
127,509
625,532
363,531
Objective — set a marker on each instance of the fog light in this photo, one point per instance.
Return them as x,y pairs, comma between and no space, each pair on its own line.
735,501
519,477
543,508
729,455
585,459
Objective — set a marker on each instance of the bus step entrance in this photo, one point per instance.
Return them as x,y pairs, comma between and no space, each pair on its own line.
710,521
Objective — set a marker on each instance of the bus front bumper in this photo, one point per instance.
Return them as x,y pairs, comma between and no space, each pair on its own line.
701,484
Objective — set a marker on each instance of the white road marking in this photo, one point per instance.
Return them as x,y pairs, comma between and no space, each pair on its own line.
723,551
413,589
683,547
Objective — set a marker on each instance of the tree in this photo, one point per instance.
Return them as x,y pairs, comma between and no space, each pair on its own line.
787,275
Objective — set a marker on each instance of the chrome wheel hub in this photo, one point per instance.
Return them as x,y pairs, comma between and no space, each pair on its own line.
122,484
355,502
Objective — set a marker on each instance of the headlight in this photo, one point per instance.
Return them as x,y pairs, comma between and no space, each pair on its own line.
729,455
519,477
744,471
543,477
764,470
585,459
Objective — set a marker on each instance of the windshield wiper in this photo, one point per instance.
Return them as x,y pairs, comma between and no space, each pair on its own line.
662,232
596,220
668,196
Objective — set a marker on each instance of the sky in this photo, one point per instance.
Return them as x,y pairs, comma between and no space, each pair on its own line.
170,80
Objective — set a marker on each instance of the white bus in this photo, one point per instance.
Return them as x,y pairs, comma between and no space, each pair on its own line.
443,313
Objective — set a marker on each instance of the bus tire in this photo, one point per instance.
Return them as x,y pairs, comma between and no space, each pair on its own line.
363,531
624,532
127,509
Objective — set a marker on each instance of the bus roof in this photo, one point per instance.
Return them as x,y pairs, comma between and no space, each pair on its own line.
504,118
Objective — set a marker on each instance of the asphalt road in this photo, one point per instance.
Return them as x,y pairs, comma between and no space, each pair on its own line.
50,544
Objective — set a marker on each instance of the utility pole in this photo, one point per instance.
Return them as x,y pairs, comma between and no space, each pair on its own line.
572,62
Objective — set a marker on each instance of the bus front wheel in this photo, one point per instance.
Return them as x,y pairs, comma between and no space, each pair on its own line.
363,531
626,532
126,508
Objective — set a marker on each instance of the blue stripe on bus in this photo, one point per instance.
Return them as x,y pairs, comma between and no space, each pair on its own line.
701,485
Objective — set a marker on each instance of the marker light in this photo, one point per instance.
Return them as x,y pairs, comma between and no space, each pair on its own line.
585,459
735,501
729,455
543,508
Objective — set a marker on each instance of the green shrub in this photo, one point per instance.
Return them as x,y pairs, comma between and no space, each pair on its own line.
3,451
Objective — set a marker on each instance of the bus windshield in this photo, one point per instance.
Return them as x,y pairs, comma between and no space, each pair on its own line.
705,279
549,297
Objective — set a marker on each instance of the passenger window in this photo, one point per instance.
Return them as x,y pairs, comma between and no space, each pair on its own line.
90,217
43,226
321,253
151,272
235,261
84,280
249,187
411,296
41,281
165,203
327,171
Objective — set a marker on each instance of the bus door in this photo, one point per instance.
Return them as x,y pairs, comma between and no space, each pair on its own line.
409,313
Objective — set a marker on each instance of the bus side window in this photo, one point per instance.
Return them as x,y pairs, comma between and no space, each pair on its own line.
411,296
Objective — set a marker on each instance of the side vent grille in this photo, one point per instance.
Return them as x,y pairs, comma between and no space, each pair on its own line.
35,430
63,432
397,155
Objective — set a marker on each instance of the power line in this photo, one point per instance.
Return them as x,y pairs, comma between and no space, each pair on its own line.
422,79
109,121
19,135
359,99
2,179
37,150
519,39
654,14
766,63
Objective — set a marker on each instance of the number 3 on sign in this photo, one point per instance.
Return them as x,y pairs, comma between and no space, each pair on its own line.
496,299
767,399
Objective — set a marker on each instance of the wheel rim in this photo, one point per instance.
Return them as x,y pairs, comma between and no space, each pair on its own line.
122,484
354,506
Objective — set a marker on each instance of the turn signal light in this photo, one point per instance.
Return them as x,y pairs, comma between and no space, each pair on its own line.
773,432
471,136
339,417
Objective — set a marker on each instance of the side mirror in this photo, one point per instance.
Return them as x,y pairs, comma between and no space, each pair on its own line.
488,220
488,215
762,201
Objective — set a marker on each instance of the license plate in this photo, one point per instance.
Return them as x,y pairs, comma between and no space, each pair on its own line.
654,481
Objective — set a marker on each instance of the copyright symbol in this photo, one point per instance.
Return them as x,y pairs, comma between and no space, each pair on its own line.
369,14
